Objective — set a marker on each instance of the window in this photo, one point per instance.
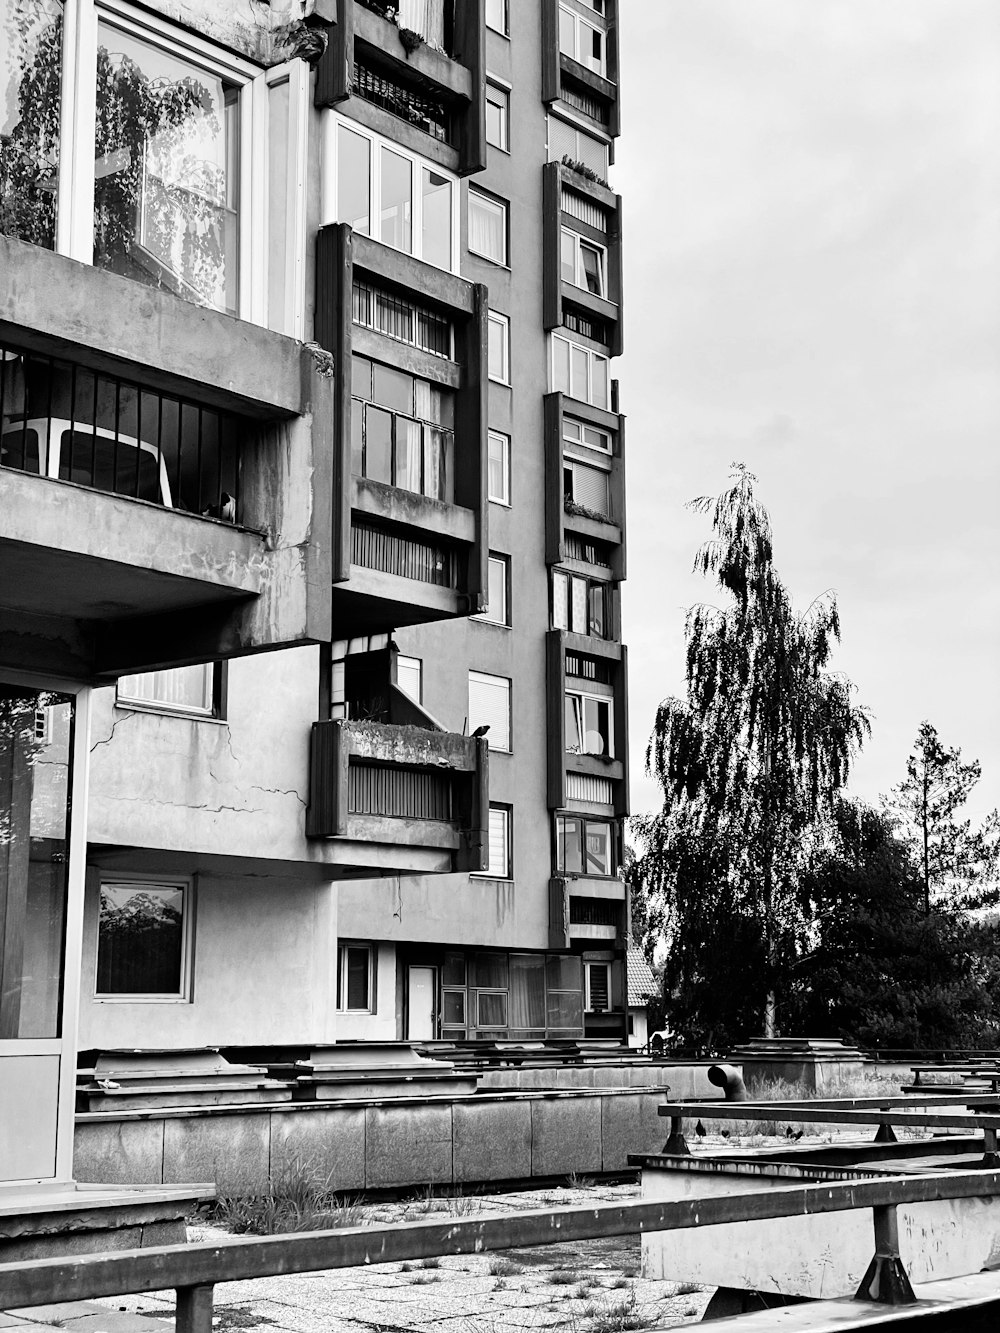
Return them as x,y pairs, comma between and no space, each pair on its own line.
498,360
194,690
489,706
564,991
385,192
498,594
598,988
487,227
355,978
410,677
588,724
498,468
566,140
497,117
583,264
579,372
497,17
143,939
491,1009
401,318
402,430
584,846
582,41
581,605
499,866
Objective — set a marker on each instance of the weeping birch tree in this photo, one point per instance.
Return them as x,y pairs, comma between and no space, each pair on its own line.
749,763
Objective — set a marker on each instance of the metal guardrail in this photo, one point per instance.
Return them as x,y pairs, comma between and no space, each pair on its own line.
193,1270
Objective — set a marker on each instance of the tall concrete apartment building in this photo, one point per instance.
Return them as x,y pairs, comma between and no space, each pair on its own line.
311,532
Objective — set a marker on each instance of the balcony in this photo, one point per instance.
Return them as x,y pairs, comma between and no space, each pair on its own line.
587,216
586,908
580,64
589,767
410,532
165,476
413,70
398,798
599,517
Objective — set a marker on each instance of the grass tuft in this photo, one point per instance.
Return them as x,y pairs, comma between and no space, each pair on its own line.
300,1197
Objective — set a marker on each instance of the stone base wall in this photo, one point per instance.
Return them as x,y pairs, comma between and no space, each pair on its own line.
379,1145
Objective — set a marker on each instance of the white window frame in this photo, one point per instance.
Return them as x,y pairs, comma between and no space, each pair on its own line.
568,580
330,213
502,207
504,817
579,278
501,322
498,615
571,463
496,437
500,98
505,6
137,703
583,821
416,666
592,696
78,134
186,884
607,971
574,436
490,681
597,67
597,363
342,947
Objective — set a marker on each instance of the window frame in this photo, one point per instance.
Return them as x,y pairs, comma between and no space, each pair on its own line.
588,1007
504,441
499,92
185,992
602,587
505,30
405,657
603,144
497,558
502,322
591,696
492,681
584,821
579,21
330,207
507,871
579,279
343,947
216,713
503,208
592,359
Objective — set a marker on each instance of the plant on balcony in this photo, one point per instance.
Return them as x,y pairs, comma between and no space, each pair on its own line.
583,511
581,169
410,40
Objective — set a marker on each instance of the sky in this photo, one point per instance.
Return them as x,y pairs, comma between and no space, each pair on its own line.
812,287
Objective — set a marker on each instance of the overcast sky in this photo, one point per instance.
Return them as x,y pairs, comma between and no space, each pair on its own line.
812,241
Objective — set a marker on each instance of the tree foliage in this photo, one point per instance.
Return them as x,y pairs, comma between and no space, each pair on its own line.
956,862
749,763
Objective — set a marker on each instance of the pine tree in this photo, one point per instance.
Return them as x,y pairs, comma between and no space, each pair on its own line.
748,762
954,860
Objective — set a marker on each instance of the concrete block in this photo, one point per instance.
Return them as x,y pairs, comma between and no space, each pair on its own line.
565,1135
118,1152
405,1144
330,1142
231,1150
609,1076
492,1140
630,1124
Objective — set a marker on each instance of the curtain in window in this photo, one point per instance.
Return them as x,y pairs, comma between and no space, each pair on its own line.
409,454
527,991
188,688
425,17
487,230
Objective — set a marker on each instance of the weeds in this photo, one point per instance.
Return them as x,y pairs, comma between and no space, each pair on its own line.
300,1197
619,1317
582,1291
564,1277
500,1267
576,1182
686,1289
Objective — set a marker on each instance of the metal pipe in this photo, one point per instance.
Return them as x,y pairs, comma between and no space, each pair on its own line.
730,1079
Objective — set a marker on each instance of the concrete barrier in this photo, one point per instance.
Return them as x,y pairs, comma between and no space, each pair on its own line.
389,1144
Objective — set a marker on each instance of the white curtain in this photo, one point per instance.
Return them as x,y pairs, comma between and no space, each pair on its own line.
425,17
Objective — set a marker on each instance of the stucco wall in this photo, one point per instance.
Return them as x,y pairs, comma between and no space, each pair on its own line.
265,971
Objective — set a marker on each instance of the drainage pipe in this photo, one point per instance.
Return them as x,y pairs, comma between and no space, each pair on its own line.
730,1079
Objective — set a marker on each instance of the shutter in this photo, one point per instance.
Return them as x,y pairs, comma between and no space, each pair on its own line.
489,705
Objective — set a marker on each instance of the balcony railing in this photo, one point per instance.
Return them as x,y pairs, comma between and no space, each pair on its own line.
401,319
65,421
429,114
407,557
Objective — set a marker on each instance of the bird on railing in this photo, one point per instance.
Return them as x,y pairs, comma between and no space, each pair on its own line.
481,731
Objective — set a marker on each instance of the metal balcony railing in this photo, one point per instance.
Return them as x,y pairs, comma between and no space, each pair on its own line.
429,114
65,421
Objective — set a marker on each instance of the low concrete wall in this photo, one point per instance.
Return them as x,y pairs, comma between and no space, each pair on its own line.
681,1080
377,1145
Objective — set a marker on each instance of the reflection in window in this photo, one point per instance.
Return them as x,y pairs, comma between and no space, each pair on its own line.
30,85
588,724
140,939
354,179
397,195
584,846
403,430
166,189
34,848
436,218
178,690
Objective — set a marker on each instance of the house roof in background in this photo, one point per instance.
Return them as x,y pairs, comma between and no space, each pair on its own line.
641,982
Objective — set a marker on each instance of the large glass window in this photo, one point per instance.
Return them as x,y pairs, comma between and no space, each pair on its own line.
579,372
581,605
413,204
142,939
30,84
584,846
36,730
403,430
167,171
582,263
582,41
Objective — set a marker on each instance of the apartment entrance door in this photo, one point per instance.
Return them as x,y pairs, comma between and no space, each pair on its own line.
422,991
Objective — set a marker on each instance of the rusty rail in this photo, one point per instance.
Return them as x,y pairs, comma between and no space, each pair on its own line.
193,1270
